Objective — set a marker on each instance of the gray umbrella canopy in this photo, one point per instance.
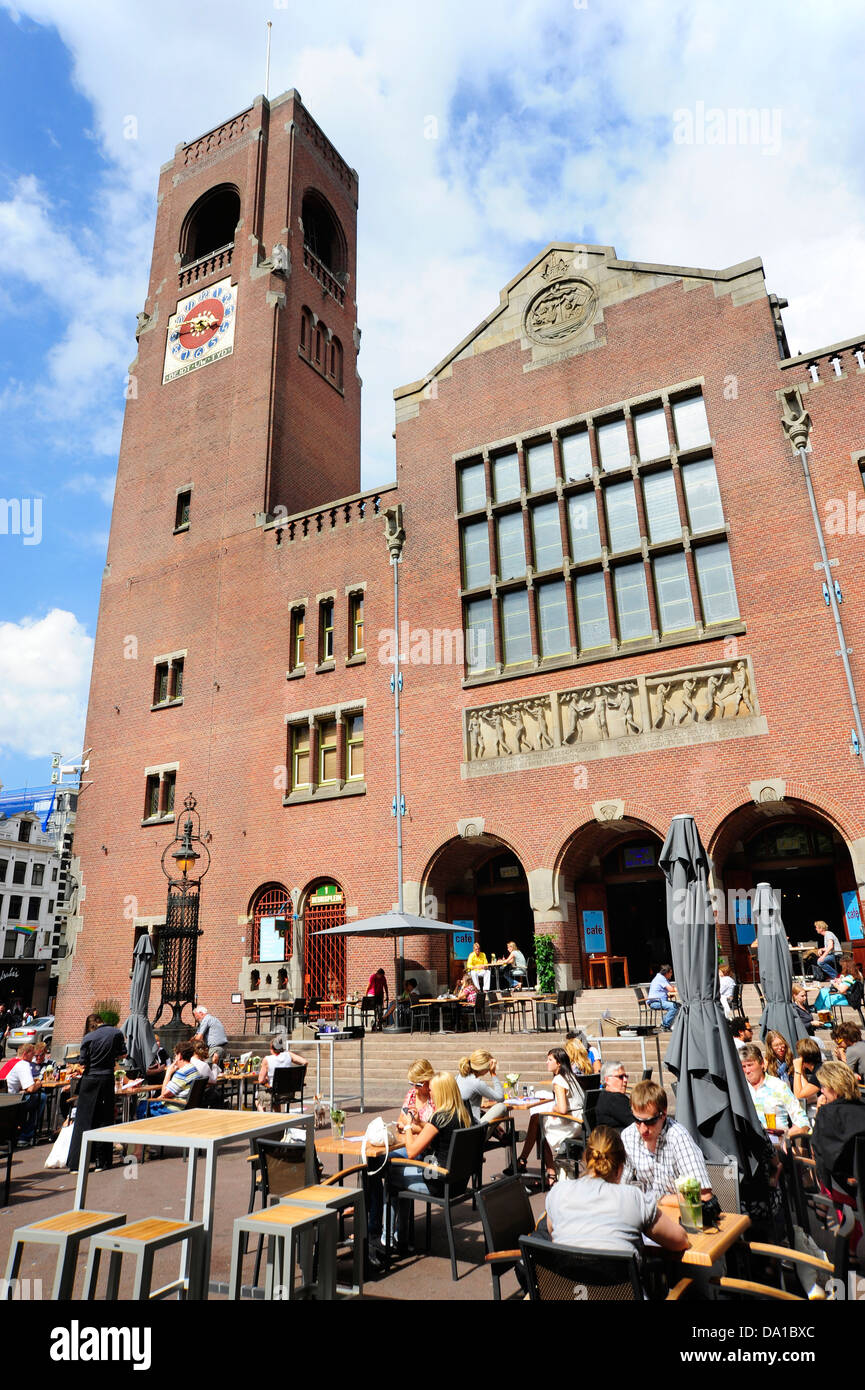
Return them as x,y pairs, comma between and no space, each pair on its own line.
776,969
138,1030
393,924
713,1099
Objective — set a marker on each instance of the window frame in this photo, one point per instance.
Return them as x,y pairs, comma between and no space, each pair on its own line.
326,618
182,509
356,633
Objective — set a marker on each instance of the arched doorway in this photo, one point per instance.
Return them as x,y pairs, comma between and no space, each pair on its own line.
481,884
619,894
270,911
323,957
792,846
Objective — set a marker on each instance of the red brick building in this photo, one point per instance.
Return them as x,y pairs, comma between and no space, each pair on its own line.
596,488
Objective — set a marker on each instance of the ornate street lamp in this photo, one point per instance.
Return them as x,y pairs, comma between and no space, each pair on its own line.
181,866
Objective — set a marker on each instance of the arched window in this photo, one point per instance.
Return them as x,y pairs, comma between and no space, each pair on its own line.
334,366
307,331
320,334
210,223
324,956
272,922
322,234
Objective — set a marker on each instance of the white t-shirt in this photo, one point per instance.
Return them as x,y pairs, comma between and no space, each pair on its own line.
283,1059
598,1215
20,1078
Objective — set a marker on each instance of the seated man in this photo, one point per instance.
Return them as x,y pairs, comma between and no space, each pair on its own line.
178,1082
742,1032
613,1107
398,1013
660,991
659,1151
849,1047
771,1094
21,1081
281,1055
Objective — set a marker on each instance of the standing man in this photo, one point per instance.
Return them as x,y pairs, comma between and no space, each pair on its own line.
660,996
825,967
101,1046
211,1032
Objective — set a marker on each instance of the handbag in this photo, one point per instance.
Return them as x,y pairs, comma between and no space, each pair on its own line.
378,1132
60,1148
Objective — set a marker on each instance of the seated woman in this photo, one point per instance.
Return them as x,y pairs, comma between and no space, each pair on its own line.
477,1082
467,990
806,1064
727,988
281,1055
418,1107
516,966
802,1009
779,1057
598,1213
836,990
431,1143
558,1125
584,1060
840,1121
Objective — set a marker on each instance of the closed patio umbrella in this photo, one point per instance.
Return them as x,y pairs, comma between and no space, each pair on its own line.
713,1099
138,1030
776,968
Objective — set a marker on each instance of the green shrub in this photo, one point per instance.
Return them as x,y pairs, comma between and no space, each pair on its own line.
545,953
109,1009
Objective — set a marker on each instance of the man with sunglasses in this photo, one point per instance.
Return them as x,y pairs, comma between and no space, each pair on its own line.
613,1107
659,1151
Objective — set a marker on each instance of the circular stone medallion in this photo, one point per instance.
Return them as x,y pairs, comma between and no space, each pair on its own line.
559,311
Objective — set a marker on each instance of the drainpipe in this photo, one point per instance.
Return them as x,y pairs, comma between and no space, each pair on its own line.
797,426
394,535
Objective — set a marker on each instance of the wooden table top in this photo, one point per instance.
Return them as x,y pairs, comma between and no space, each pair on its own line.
708,1246
326,1144
525,1102
191,1125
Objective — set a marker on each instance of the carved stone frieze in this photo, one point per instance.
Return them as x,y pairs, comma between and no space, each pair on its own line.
638,714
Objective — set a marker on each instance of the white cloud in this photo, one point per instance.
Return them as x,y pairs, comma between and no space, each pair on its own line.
88,482
553,121
44,675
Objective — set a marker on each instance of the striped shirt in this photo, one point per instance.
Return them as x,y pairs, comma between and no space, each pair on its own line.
676,1156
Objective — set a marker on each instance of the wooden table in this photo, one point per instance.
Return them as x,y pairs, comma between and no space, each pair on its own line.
196,1132
605,962
242,1079
707,1247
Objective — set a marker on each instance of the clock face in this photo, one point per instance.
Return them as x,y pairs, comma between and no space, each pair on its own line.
201,330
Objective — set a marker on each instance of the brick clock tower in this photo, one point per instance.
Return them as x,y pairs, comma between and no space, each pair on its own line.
244,402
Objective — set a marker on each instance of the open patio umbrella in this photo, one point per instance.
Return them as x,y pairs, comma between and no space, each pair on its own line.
713,1099
393,924
776,968
138,1030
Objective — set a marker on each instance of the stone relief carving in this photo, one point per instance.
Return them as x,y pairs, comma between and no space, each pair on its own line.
560,310
643,711
555,268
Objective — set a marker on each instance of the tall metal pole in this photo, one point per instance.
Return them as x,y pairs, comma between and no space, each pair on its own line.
394,535
797,424
267,62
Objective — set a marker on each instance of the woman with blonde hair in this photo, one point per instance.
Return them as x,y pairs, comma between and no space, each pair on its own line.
840,1122
477,1081
779,1057
429,1146
598,1213
418,1107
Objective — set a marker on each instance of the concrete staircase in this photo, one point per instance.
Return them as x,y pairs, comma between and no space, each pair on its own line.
387,1057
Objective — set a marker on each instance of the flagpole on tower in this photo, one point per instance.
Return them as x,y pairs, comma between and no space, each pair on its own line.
267,63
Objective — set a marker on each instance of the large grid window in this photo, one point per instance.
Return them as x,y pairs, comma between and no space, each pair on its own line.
627,513
327,754
511,545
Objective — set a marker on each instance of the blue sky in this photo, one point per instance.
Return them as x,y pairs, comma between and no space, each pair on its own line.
480,133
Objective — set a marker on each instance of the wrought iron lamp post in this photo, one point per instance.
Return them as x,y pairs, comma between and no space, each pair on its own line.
185,861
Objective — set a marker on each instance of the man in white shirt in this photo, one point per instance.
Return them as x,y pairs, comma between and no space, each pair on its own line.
20,1081
659,1151
826,965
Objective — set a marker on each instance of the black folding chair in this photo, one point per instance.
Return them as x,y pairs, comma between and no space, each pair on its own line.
288,1083
11,1118
464,1166
564,1273
506,1214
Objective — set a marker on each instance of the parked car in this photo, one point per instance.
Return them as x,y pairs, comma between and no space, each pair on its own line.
38,1030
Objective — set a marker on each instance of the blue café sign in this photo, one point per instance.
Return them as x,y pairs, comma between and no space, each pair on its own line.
463,941
594,932
853,915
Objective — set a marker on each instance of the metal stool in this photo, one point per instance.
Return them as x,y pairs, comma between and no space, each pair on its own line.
142,1239
340,1199
65,1232
288,1224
